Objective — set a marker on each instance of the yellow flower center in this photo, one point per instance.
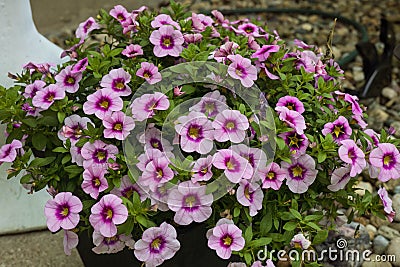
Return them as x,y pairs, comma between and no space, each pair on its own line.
209,107
190,200
154,144
204,170
146,75
101,155
297,245
120,86
387,160
120,17
227,241
97,182
290,106
247,193
104,104
294,140
50,97
230,125
297,171
337,130
156,243
159,174
230,165
239,72
118,127
193,132
271,175
70,80
167,42
109,214
65,212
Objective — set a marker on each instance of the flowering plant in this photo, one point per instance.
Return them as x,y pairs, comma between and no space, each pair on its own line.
180,118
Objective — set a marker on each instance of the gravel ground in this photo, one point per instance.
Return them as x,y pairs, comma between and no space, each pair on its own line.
58,19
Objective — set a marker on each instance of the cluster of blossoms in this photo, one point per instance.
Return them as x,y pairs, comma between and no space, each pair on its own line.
77,122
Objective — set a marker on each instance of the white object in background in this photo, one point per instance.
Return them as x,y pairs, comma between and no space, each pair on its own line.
20,43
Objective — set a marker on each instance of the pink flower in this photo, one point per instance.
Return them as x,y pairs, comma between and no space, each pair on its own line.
164,19
211,104
31,89
196,133
339,179
127,188
263,53
300,174
118,125
86,27
145,106
250,195
374,136
340,129
70,241
108,213
112,244
221,55
242,69
259,264
157,173
152,140
235,167
8,152
46,97
350,153
230,125
255,156
292,118
353,100
297,143
117,81
167,41
248,29
271,176
102,102
299,241
79,66
62,211
192,37
94,181
226,238
148,156
157,245
387,203
67,80
149,72
76,156
98,153
292,103
200,22
201,170
132,50
73,128
386,158
119,13
190,203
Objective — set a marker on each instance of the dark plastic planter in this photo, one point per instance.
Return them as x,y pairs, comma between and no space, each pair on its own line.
194,252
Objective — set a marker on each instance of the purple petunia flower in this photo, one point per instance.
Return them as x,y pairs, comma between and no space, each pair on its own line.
164,19
340,129
94,181
98,153
117,81
386,158
46,97
157,173
70,241
132,50
127,188
201,170
80,66
118,125
250,195
167,41
235,167
31,89
190,203
248,29
255,156
73,128
149,155
8,152
196,133
230,125
300,174
350,153
271,176
374,136
67,80
263,53
299,241
221,54
339,179
200,22
353,100
387,204
152,139
292,118
211,104
268,263
145,106
76,156
242,69
157,245
62,211
119,13
297,143
191,38
149,72
86,27
102,102
226,238
107,213
292,103
112,244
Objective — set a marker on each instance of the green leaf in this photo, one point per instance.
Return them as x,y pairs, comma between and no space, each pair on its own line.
248,234
236,212
66,158
313,217
248,258
31,122
40,162
263,241
296,214
320,237
87,204
73,170
61,116
60,150
127,227
39,141
25,179
290,226
313,225
321,156
266,224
